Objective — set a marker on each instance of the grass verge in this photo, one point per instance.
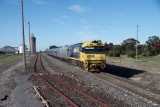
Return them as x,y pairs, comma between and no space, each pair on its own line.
4,59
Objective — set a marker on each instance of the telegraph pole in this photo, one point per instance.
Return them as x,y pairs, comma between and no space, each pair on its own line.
29,40
24,48
137,43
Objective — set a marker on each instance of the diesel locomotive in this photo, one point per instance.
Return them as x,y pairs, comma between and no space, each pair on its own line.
89,56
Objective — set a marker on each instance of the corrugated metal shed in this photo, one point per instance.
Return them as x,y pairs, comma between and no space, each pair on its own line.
9,50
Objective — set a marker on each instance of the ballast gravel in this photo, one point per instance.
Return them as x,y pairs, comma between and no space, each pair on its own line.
87,79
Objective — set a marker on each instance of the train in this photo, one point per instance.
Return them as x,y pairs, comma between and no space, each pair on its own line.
90,56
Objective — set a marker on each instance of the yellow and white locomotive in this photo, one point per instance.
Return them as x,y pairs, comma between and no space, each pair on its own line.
90,56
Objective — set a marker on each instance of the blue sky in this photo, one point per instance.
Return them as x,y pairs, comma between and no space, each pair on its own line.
66,22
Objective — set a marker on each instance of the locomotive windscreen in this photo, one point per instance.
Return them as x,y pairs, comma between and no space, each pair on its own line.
94,50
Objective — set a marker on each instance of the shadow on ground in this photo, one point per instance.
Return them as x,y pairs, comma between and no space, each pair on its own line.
122,71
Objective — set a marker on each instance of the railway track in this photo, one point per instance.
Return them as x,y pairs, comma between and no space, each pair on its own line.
133,93
152,95
68,93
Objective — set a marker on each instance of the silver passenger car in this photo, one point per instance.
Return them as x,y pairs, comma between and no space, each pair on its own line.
61,52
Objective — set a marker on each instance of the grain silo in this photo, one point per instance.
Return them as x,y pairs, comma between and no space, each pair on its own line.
21,48
33,44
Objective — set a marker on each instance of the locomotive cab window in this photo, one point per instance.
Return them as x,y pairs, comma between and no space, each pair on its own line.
89,49
94,50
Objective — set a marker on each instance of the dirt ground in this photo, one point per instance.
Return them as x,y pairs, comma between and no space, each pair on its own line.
14,80
147,73
15,89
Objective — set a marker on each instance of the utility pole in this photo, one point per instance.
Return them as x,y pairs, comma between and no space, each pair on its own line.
137,43
24,48
29,40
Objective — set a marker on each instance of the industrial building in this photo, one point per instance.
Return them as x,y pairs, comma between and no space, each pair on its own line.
8,50
33,44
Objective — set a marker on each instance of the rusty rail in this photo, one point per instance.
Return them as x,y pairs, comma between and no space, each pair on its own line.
53,77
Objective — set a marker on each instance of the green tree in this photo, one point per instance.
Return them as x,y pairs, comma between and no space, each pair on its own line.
152,40
108,47
114,50
128,47
141,48
53,46
130,40
151,48
117,51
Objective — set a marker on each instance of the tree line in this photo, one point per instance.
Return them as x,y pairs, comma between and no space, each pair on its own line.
128,47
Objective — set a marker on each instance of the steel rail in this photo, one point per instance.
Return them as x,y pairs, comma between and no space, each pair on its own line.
155,91
72,88
131,90
73,104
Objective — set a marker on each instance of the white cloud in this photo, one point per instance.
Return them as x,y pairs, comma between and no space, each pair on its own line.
85,24
87,36
78,9
39,2
58,21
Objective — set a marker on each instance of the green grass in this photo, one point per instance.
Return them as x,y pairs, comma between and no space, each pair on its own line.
7,58
140,58
150,58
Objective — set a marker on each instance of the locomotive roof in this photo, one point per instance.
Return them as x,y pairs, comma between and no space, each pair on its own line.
92,44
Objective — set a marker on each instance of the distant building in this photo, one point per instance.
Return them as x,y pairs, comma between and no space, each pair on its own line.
21,48
33,44
8,50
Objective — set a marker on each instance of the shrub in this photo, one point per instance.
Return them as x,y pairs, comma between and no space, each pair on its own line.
116,53
131,54
144,54
110,53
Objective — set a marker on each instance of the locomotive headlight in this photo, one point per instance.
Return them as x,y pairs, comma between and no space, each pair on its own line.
86,63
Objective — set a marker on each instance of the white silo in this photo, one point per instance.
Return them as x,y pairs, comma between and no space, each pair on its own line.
21,48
